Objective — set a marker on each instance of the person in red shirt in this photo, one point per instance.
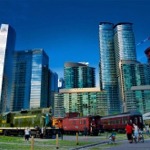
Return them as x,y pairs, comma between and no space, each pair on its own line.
129,131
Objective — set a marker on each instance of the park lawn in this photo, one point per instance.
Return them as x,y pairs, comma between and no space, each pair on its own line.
18,143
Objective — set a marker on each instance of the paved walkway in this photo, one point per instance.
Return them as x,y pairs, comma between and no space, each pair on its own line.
134,146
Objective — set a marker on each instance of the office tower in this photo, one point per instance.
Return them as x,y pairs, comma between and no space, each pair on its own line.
53,88
78,75
124,44
21,80
142,97
53,81
141,91
147,52
7,45
130,76
59,109
30,79
86,101
108,76
117,45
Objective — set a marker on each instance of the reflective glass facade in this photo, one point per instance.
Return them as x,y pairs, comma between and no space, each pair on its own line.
108,77
86,101
143,100
134,74
78,75
142,96
7,46
39,79
117,49
30,80
53,88
124,43
22,67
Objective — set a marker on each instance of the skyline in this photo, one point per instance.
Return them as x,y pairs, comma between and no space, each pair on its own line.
68,30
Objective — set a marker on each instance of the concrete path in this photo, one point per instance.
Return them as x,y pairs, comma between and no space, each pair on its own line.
134,146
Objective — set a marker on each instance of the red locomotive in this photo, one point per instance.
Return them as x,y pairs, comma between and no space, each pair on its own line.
89,124
118,122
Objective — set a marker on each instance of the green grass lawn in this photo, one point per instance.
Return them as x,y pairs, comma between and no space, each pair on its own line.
18,143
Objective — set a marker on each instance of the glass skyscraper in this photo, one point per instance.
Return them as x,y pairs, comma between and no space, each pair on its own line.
53,88
78,75
108,77
30,80
7,46
20,98
116,45
124,44
39,79
141,91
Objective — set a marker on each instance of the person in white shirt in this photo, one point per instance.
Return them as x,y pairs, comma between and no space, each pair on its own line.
136,130
27,134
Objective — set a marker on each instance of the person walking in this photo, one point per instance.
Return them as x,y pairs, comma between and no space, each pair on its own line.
129,130
85,131
27,134
41,132
136,131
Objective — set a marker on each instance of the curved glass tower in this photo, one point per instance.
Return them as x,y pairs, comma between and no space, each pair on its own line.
108,78
124,43
117,48
125,51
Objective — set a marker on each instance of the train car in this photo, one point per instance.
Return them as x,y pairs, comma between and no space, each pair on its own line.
92,124
119,121
14,123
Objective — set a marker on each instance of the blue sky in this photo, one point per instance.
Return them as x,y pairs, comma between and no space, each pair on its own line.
68,29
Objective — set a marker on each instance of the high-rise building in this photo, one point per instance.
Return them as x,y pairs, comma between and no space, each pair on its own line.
80,94
30,79
86,101
53,88
108,75
133,73
142,97
7,46
124,44
117,45
79,75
